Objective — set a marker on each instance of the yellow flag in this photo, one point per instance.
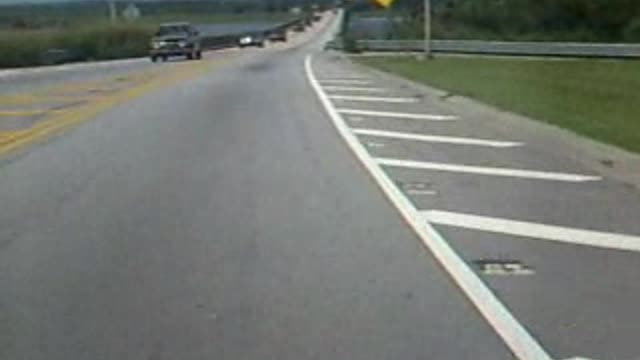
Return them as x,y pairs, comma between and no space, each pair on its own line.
382,3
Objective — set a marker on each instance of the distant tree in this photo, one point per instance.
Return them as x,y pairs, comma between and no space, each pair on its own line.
270,6
19,24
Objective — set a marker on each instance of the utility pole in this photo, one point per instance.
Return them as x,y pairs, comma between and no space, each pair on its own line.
113,14
427,29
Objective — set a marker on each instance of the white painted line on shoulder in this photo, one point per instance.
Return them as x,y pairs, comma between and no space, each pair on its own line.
346,82
395,100
517,173
534,230
436,139
355,89
515,336
397,115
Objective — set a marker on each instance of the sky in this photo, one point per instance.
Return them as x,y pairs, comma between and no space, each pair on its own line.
3,2
28,1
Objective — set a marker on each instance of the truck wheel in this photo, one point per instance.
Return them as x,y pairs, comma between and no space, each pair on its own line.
154,59
199,55
190,56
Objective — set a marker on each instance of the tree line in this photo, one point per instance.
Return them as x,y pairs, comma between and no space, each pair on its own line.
581,20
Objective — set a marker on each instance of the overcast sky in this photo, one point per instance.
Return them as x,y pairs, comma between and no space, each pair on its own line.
26,1
50,1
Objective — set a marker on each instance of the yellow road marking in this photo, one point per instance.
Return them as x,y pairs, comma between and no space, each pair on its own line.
11,141
17,99
18,113
81,90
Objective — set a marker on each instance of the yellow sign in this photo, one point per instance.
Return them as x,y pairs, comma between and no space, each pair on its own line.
382,3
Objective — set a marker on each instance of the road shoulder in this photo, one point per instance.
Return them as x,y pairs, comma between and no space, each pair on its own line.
607,160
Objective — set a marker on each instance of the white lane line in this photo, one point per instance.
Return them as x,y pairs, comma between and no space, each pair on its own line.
517,173
534,230
436,139
355,89
378,99
397,115
346,82
515,336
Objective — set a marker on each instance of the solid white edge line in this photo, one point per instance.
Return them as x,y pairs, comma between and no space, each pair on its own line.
514,335
534,230
396,100
397,115
355,89
436,139
489,171
14,72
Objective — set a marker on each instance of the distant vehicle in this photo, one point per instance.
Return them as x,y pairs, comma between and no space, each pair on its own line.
251,40
279,35
176,39
299,27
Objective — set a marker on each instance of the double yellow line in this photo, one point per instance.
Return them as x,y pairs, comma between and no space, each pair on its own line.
59,120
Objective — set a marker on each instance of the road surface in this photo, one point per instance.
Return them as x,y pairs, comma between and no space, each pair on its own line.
287,204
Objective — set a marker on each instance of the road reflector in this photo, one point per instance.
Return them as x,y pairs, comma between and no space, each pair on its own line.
503,267
375,145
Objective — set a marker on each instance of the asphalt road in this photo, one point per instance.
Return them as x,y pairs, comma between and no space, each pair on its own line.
21,80
223,217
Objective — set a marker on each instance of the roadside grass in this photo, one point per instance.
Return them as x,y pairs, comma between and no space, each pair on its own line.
26,48
94,38
599,99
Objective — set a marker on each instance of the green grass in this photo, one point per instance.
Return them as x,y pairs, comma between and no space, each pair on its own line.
595,98
94,38
25,48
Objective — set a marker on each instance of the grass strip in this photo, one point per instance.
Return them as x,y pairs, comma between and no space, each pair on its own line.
598,99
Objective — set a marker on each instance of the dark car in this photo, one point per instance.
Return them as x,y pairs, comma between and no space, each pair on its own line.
176,39
278,35
299,27
256,39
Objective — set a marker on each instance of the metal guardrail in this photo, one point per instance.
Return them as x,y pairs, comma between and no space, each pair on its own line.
231,39
567,49
209,42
